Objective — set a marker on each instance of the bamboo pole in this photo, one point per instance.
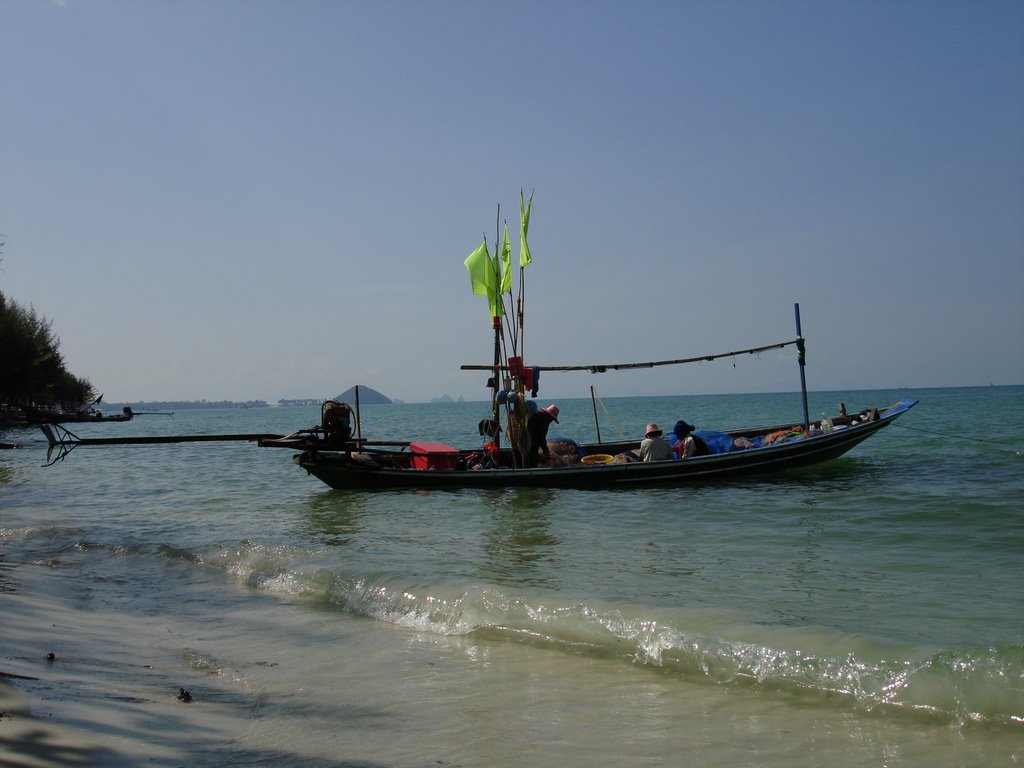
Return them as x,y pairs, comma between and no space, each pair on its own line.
593,403
359,423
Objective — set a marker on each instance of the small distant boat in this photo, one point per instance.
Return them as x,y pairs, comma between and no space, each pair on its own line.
85,415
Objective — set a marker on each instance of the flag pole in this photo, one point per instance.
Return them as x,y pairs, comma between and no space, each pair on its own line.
496,324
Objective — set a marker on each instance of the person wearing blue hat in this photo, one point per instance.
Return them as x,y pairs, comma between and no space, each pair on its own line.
685,443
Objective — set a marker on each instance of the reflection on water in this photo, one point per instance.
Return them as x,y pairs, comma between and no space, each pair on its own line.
804,571
518,542
7,582
336,518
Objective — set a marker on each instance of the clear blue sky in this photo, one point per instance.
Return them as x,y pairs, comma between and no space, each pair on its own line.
253,199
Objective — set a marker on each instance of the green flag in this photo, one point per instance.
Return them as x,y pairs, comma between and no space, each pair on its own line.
525,257
482,277
506,264
481,273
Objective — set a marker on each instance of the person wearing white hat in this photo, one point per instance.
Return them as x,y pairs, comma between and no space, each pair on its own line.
654,447
537,429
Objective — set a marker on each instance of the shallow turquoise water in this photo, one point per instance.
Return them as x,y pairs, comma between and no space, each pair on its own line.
874,600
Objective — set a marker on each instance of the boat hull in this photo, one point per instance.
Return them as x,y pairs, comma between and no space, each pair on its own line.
340,470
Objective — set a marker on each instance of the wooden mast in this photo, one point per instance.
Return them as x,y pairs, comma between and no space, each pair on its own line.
802,358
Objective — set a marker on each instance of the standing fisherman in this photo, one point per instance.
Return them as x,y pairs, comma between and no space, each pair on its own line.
537,430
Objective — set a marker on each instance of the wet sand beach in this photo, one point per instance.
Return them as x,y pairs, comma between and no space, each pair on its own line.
29,741
71,692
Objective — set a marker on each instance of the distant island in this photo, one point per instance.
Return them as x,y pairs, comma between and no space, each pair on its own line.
447,399
367,396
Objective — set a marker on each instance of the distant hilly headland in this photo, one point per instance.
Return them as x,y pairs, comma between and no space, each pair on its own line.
367,396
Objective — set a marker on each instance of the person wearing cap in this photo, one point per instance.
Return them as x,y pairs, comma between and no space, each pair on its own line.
654,447
537,430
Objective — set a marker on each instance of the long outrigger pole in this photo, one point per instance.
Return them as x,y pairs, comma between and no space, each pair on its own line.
66,440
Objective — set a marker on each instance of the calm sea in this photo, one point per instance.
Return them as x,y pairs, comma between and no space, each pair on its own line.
867,612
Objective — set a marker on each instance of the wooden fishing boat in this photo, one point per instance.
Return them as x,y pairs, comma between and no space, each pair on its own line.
332,455
336,452
363,464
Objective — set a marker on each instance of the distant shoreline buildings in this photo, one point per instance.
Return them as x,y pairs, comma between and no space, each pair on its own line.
367,396
183,405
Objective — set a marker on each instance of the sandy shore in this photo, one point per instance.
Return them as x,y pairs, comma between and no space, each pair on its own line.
105,696
27,740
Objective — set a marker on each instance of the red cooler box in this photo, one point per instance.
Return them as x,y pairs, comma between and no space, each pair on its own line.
427,456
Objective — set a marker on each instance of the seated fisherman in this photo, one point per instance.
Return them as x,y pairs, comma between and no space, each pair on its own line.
691,442
685,444
654,447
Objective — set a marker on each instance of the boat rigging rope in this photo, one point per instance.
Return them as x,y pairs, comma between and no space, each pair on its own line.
618,428
652,364
986,440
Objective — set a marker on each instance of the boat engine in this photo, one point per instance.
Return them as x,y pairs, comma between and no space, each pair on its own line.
336,422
